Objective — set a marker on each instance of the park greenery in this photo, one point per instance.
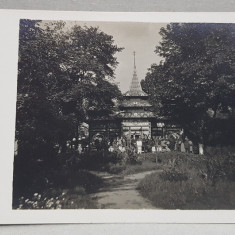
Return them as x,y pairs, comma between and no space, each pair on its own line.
66,76
194,82
189,181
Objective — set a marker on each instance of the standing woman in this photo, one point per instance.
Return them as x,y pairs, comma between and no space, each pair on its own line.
182,147
139,145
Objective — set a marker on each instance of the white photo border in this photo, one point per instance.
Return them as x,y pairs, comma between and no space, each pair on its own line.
9,25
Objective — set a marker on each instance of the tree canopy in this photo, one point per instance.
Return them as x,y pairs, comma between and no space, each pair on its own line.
196,78
65,76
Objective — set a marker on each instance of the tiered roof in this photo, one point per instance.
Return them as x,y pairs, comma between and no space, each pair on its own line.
144,114
135,87
135,102
135,99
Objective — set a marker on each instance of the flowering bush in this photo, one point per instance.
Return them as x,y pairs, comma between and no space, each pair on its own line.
72,199
39,202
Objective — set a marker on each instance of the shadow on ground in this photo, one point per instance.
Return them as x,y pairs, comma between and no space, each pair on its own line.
119,192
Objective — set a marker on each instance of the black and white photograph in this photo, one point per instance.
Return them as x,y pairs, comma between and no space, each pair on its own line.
125,115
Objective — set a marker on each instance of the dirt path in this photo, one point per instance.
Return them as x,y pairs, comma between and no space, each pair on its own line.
120,192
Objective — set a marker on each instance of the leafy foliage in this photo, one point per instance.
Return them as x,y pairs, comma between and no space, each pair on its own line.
173,175
65,76
62,80
196,76
192,182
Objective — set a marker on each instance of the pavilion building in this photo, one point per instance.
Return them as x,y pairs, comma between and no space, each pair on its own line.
135,117
135,111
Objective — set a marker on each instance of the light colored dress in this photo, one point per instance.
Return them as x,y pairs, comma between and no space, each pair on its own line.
139,146
182,147
159,148
79,148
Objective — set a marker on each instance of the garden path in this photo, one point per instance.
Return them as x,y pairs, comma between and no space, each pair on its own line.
121,193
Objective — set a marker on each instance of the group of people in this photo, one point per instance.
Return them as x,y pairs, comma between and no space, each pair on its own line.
155,144
184,145
139,144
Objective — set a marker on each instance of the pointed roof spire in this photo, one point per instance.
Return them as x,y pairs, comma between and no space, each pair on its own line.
135,87
134,60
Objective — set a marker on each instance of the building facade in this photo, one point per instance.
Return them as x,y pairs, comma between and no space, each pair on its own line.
134,119
135,111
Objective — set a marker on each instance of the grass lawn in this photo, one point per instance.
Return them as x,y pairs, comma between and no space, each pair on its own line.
181,181
191,182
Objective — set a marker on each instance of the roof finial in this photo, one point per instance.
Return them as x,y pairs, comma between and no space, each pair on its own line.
135,87
134,59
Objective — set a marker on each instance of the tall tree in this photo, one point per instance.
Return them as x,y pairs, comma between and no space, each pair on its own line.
63,74
196,75
89,63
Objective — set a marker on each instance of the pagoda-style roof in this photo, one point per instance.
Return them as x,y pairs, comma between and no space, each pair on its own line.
135,87
135,93
135,97
145,114
135,102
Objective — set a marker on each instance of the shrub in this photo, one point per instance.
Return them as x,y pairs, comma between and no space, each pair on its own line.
116,169
147,165
77,184
186,194
195,182
173,175
58,199
132,158
99,160
220,167
67,179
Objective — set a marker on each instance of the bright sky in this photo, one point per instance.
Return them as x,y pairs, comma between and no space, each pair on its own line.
139,37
